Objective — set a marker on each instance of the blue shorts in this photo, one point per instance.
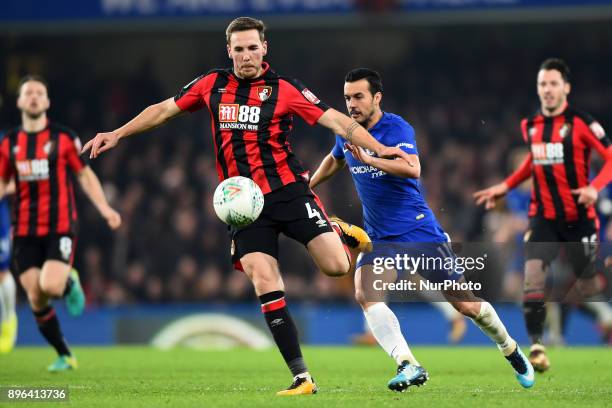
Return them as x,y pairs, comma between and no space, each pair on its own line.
425,250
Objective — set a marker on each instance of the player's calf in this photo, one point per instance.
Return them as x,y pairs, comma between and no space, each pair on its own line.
469,309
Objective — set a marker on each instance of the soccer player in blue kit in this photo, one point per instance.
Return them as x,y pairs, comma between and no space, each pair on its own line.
395,212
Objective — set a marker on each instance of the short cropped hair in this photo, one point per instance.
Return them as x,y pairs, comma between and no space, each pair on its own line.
558,65
373,78
245,24
31,77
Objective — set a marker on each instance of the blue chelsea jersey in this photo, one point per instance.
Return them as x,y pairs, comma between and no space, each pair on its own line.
392,206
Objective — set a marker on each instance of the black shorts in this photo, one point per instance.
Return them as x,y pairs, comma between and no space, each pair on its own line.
293,210
32,252
577,242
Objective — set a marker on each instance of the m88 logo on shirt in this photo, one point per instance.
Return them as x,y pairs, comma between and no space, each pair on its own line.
547,153
30,170
241,117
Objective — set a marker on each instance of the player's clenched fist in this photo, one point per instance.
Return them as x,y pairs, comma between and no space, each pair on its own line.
112,217
101,143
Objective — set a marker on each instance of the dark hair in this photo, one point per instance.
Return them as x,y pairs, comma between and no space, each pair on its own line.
245,24
558,65
373,78
31,77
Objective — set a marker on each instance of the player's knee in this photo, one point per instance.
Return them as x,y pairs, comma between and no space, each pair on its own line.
360,298
264,276
534,269
336,266
52,288
36,299
589,287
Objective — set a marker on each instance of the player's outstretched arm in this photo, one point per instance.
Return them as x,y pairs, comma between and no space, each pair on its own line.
92,187
150,118
326,170
397,167
356,134
488,196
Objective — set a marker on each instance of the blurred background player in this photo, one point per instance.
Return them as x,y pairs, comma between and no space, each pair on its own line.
39,155
8,292
395,211
560,140
510,226
251,109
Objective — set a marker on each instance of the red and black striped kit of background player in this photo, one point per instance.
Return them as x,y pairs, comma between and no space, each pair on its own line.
559,160
44,208
251,120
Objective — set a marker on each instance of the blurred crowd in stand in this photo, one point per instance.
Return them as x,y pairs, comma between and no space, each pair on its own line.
463,89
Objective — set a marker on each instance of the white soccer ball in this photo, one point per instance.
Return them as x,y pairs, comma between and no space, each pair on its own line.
238,201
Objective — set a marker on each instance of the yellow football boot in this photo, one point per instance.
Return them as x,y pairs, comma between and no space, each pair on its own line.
8,334
302,385
354,236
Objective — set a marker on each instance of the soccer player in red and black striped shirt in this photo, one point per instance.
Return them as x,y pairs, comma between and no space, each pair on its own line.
40,155
562,210
251,109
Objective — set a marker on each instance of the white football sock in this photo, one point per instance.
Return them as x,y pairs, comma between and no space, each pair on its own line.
7,296
490,324
386,329
602,310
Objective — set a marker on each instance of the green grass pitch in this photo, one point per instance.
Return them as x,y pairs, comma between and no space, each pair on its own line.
347,377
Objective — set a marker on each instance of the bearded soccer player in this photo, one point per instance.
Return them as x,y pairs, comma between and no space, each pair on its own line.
397,217
560,139
39,155
251,109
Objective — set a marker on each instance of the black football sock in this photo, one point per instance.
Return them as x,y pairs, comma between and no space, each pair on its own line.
534,311
49,327
565,312
283,330
69,283
517,362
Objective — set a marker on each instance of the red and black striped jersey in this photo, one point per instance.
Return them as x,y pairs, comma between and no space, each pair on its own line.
251,121
559,160
44,202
